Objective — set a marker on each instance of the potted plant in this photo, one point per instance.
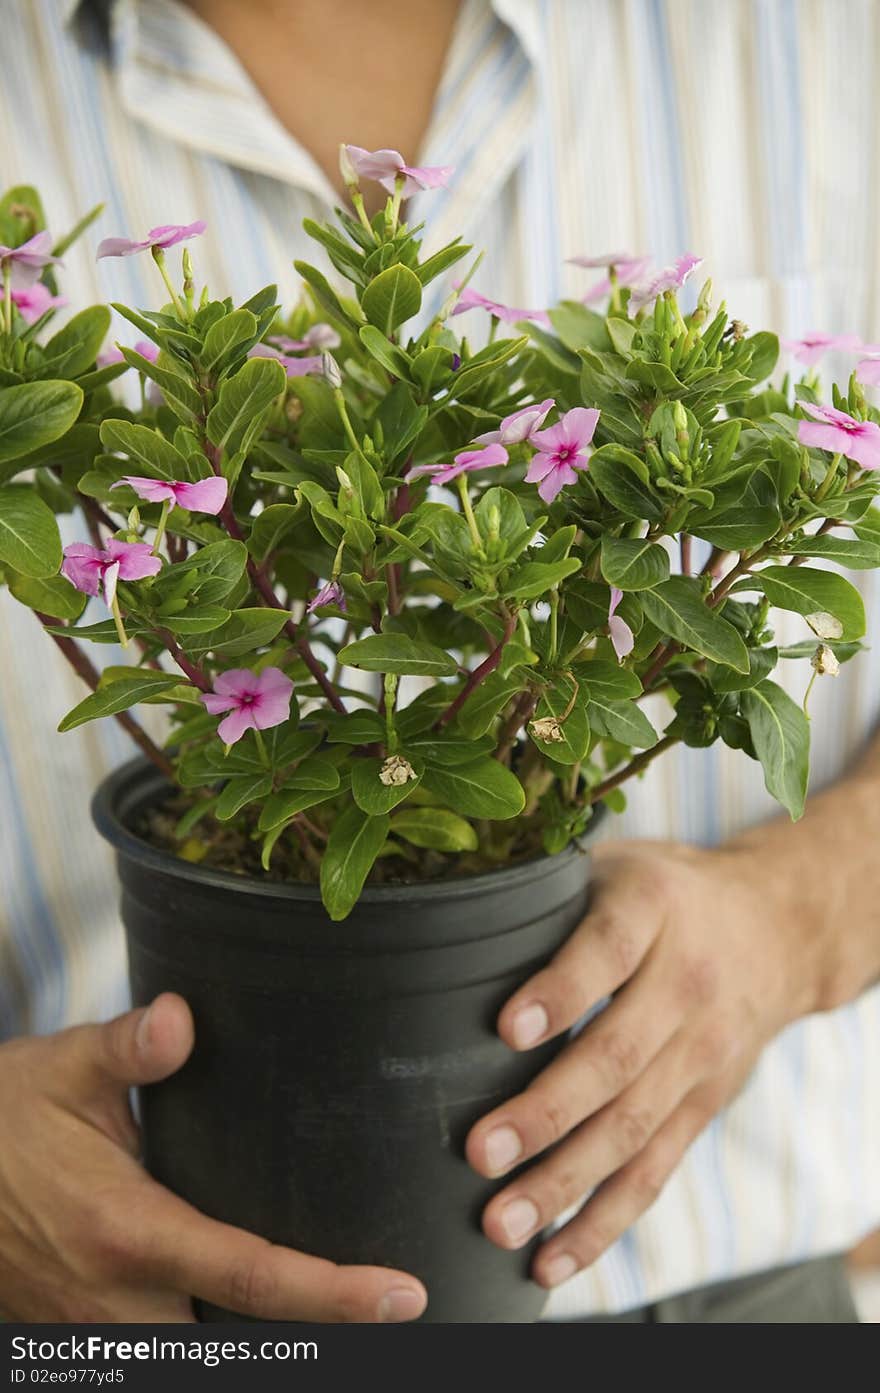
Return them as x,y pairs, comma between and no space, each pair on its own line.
405,603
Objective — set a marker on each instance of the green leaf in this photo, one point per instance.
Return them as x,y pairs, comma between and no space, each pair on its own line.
485,703
678,609
622,478
29,539
223,338
119,696
607,681
243,403
397,653
148,448
354,843
575,728
392,298
316,772
326,295
806,591
177,390
270,526
535,579
240,791
762,661
75,347
200,620
34,414
392,358
245,631
859,555
781,736
51,595
436,829
371,794
736,529
635,564
579,327
281,807
622,721
482,789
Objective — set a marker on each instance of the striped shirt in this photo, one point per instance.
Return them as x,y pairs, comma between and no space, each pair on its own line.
743,129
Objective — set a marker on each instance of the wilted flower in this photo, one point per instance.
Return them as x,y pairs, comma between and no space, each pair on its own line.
254,701
396,771
34,300
809,349
825,662
669,278
825,625
23,264
834,430
203,496
386,166
91,569
561,451
465,463
517,428
167,235
472,300
548,729
331,593
621,635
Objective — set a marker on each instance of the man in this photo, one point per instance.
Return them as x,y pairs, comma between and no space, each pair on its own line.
739,129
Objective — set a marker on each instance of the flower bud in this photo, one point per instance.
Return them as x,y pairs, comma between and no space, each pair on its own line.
548,729
824,662
344,479
331,370
347,169
396,771
738,330
133,522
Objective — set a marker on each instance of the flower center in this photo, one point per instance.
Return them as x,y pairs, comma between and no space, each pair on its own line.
565,453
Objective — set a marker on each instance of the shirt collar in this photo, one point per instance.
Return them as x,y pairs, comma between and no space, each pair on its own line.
176,75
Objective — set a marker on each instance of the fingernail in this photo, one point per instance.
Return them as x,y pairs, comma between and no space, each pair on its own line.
519,1218
401,1303
142,1032
559,1269
529,1025
503,1147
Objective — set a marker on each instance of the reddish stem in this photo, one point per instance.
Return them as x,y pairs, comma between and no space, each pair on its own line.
635,766
90,675
478,675
195,674
684,544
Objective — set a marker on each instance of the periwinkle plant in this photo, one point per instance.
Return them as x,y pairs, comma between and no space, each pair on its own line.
518,543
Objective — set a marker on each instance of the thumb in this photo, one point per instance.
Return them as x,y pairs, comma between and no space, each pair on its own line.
143,1046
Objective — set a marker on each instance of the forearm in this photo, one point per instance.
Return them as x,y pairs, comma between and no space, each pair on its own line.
824,871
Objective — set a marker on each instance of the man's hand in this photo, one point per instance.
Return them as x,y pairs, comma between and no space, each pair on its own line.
708,957
86,1235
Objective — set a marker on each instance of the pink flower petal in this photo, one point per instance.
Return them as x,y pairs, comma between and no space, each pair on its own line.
108,580
205,496
33,301
136,559
552,484
217,704
237,682
621,635
150,490
231,729
868,372
83,566
540,466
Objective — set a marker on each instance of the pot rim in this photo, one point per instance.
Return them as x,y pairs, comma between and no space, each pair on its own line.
139,776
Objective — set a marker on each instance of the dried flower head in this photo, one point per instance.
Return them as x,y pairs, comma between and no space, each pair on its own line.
548,729
824,661
396,771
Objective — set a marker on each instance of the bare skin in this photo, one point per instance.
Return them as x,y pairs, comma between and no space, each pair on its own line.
348,71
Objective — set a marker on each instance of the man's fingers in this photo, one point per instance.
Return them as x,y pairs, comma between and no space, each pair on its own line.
623,1198
142,1046
596,1067
602,954
190,1253
595,1150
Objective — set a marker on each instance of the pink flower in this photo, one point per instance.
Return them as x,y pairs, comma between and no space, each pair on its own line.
33,301
254,701
385,166
330,593
812,346
833,430
615,259
167,235
204,496
294,367
108,357
147,350
472,300
24,263
517,428
319,336
670,278
621,635
465,463
868,372
561,451
91,570
628,269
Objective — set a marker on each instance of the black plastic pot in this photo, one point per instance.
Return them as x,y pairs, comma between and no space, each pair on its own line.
338,1067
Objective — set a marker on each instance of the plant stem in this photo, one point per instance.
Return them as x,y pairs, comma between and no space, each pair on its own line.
525,705
159,258
194,673
684,543
469,514
160,528
634,767
7,298
479,674
90,675
826,483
